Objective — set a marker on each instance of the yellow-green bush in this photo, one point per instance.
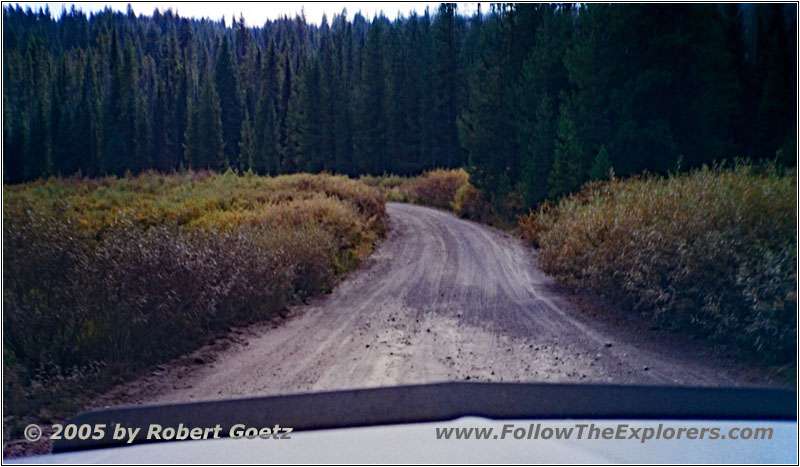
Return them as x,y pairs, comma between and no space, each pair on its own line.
442,188
116,273
469,203
438,187
713,251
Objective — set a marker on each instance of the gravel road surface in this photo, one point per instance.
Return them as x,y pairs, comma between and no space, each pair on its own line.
441,299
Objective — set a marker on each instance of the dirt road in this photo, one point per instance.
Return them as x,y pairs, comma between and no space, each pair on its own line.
441,299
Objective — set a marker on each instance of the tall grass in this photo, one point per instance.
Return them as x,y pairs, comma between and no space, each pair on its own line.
713,251
103,276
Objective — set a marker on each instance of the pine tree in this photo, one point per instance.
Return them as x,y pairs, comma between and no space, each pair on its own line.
204,146
342,101
13,144
485,126
543,78
593,71
568,168
290,152
330,94
113,92
396,121
286,119
119,148
601,166
143,138
247,144
61,117
773,119
446,88
414,101
370,144
264,156
38,161
537,159
181,111
717,105
86,124
227,88
309,128
162,140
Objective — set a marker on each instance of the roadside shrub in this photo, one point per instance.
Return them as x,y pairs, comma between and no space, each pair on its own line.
113,274
438,187
469,203
367,199
506,209
391,187
447,189
532,226
713,252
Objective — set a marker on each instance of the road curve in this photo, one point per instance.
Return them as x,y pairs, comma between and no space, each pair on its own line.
441,299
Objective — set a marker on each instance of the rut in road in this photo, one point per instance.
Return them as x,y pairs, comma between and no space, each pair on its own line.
441,299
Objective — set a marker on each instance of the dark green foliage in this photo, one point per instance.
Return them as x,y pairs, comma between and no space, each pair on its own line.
286,161
227,87
485,126
446,87
121,122
542,80
247,144
370,138
204,135
310,125
601,166
264,153
652,84
537,140
569,162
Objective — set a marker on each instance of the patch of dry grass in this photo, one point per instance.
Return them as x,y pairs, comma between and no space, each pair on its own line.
104,276
713,252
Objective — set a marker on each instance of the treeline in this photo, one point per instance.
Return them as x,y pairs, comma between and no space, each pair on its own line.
559,95
533,99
